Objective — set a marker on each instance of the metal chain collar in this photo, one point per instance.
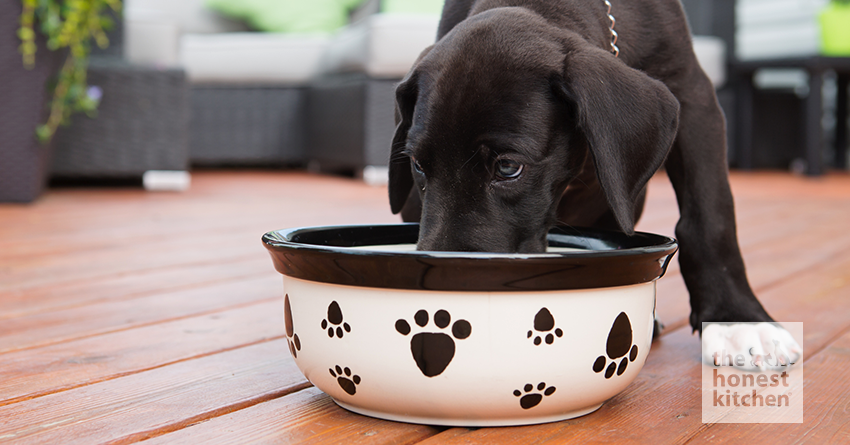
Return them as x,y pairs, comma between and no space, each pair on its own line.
614,49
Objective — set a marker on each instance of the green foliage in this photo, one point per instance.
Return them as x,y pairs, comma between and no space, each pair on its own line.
71,24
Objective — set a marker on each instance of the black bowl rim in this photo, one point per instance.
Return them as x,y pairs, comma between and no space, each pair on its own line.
617,259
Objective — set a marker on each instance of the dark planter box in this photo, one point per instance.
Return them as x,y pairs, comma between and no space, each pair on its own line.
24,162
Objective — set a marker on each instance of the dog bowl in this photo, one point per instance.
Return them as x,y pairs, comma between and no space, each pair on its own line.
468,339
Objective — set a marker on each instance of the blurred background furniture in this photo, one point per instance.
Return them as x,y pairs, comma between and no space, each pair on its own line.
247,93
141,124
791,100
351,102
306,90
324,99
246,89
806,125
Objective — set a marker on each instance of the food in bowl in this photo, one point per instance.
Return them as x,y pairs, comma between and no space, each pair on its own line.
468,338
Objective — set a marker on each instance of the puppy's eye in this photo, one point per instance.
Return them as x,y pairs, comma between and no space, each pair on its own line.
417,167
508,169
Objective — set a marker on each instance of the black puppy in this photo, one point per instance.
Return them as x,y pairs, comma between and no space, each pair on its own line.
525,114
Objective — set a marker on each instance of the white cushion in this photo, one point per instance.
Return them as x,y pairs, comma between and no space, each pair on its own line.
387,45
152,28
383,45
777,28
190,16
711,54
749,13
797,40
251,57
149,39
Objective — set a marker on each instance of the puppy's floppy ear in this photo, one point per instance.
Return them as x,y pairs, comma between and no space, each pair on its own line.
401,179
628,119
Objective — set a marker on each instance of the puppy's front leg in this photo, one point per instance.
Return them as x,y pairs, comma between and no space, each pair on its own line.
709,254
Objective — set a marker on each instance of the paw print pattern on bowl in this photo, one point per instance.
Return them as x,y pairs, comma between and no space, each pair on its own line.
345,379
619,344
533,397
433,351
291,337
335,320
543,323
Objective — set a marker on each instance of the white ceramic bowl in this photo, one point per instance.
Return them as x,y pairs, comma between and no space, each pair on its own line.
470,339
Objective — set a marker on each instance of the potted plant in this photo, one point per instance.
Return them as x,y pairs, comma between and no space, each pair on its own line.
33,77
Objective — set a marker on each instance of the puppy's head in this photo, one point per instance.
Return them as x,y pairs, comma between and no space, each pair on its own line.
496,118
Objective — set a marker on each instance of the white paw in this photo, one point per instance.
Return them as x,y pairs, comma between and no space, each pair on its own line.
749,346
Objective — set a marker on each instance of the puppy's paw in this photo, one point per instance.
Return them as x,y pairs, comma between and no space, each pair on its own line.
749,346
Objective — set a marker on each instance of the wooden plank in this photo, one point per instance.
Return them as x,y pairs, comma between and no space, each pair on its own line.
150,403
826,408
111,316
65,213
52,296
37,372
765,201
819,298
160,230
822,237
780,186
21,275
306,417
190,223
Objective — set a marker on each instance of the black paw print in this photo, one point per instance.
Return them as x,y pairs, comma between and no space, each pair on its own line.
433,351
532,399
335,318
348,382
291,337
543,323
619,344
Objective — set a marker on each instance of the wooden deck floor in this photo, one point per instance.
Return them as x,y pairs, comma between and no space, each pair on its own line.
127,316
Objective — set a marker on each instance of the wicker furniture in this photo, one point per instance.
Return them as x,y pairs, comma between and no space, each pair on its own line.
246,89
350,124
142,124
811,123
247,94
244,125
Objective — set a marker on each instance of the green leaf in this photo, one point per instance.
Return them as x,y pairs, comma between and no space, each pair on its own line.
26,34
43,133
72,24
